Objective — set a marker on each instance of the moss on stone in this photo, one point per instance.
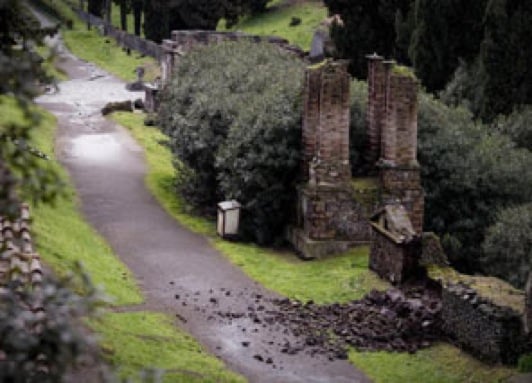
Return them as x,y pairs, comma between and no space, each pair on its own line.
492,289
404,71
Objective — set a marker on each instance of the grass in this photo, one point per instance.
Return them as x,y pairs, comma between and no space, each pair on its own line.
336,279
275,21
61,234
441,363
133,341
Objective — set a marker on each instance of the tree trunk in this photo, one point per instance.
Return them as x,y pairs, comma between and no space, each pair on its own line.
123,15
137,15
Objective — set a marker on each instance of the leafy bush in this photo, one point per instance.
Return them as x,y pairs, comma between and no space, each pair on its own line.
525,364
508,245
232,113
518,126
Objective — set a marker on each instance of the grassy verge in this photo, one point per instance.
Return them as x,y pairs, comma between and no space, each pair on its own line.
441,363
276,21
151,339
340,278
61,234
132,341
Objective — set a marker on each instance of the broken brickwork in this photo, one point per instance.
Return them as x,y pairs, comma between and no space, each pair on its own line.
395,246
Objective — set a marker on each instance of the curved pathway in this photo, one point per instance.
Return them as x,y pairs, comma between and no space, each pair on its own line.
178,271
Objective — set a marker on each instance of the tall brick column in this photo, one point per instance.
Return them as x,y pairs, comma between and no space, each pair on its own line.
375,114
326,124
399,169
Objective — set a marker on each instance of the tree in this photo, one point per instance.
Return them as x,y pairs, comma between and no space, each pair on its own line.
22,169
506,58
232,113
444,32
96,7
137,5
368,26
508,245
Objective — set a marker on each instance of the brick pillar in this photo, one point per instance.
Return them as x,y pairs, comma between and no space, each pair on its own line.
375,114
528,304
400,172
333,131
326,103
391,98
311,118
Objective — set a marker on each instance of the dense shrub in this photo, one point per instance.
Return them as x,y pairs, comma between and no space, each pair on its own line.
232,114
518,126
469,172
508,245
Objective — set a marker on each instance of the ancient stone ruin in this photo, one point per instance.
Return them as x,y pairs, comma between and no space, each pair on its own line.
331,213
329,219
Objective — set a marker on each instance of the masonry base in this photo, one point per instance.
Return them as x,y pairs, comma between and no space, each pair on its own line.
308,248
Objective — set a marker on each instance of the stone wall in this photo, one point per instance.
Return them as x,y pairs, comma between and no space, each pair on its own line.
394,261
491,332
182,42
124,39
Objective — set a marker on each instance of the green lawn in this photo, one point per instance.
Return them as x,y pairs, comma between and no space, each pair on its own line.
339,278
133,341
276,21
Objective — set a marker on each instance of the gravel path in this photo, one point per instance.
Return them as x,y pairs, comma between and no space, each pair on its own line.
178,271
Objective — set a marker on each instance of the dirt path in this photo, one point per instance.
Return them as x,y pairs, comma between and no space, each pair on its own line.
178,271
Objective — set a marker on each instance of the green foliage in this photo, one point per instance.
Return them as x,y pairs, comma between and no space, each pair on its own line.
444,31
233,117
525,363
506,58
42,346
508,245
468,173
518,126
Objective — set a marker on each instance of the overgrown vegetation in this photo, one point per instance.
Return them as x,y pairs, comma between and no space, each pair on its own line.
291,277
232,114
469,172
508,245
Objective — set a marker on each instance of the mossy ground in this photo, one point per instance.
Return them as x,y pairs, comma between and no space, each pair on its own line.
276,21
336,279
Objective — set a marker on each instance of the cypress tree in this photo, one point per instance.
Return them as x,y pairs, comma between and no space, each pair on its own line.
368,26
506,57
